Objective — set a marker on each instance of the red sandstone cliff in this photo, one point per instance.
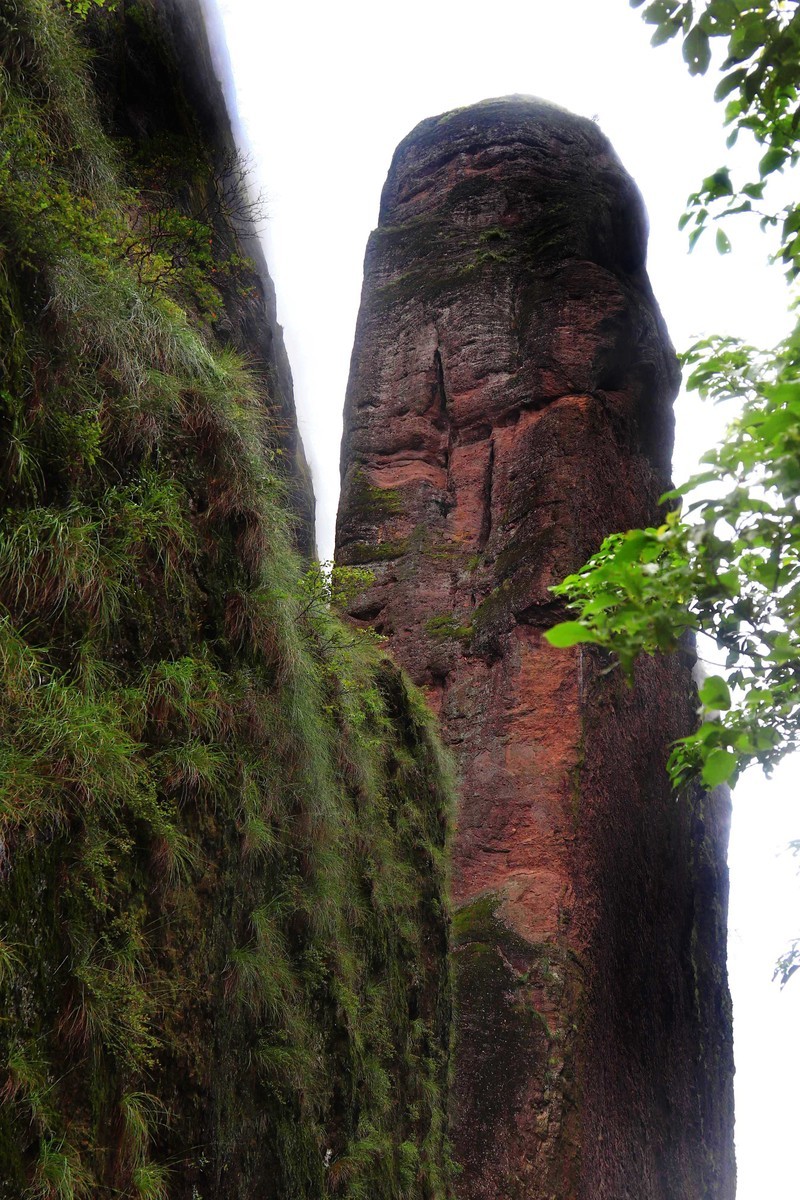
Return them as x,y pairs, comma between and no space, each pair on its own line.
509,404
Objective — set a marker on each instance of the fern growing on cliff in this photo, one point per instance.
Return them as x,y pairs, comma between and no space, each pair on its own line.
222,965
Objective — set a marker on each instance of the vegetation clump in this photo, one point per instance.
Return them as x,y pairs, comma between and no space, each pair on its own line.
445,627
374,503
223,921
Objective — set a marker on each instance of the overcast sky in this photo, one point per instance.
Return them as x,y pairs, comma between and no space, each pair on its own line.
325,92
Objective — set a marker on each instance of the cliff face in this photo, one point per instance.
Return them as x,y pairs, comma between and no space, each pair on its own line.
156,84
223,924
509,404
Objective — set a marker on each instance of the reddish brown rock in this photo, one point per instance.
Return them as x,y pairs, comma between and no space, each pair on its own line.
509,404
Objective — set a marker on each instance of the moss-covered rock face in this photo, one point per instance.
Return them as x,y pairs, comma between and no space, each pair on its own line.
223,927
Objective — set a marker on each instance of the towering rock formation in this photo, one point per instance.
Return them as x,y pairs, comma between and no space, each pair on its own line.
510,404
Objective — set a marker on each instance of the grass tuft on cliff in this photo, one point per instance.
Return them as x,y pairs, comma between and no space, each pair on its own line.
223,925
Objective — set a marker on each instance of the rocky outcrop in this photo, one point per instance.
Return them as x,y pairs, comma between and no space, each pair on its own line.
509,404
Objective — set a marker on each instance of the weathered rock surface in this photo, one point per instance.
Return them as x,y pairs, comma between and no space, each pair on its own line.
509,404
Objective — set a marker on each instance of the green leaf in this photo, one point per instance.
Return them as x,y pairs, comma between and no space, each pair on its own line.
665,32
723,242
601,602
708,730
729,82
569,633
718,767
697,51
718,184
715,693
783,650
632,546
773,160
690,485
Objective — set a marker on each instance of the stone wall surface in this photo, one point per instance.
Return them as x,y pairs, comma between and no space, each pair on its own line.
509,404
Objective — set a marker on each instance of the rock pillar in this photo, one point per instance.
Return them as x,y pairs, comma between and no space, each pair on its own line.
509,404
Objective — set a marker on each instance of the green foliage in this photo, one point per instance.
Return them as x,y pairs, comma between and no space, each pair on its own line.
759,85
222,813
730,566
334,587
82,8
193,255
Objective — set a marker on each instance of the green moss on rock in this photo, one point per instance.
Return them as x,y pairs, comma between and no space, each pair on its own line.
360,553
370,504
223,818
446,627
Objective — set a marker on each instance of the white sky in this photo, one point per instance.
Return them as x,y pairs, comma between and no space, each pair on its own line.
325,92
